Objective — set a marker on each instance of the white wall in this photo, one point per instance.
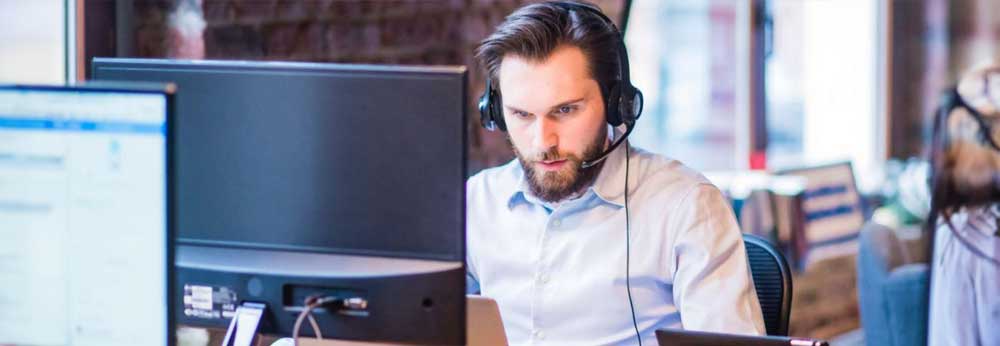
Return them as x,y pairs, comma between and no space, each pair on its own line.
32,41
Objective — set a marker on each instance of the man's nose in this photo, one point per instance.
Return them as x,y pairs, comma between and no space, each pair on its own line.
546,136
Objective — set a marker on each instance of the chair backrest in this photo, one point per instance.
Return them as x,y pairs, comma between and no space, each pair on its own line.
773,280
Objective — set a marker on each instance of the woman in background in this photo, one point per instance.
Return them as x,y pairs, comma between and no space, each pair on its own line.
965,210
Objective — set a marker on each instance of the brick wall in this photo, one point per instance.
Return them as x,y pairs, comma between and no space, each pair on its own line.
407,32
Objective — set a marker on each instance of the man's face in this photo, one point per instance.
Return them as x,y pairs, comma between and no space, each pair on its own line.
555,119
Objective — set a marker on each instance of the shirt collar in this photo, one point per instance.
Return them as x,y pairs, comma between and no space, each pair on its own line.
518,191
609,185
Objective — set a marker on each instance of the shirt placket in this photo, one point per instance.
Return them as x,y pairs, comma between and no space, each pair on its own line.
542,277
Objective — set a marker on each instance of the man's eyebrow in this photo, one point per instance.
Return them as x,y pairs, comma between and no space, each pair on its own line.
567,103
515,109
561,104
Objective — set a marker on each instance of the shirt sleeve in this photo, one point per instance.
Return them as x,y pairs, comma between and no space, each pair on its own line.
712,286
471,278
471,275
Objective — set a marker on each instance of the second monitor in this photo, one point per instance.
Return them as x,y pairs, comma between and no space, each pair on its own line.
316,157
297,179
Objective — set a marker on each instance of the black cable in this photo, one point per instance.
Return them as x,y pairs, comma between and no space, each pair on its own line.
628,240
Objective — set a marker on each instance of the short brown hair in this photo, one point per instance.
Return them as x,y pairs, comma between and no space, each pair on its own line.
535,30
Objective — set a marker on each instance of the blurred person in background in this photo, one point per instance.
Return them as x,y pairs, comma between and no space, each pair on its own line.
965,213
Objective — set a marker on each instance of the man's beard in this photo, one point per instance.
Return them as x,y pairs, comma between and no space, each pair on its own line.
569,179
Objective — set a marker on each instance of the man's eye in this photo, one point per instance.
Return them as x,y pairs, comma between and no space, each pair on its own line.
565,109
521,114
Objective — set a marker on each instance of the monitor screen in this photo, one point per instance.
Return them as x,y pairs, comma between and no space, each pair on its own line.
329,158
83,223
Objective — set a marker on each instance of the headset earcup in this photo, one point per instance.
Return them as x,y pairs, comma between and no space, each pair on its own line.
496,111
490,114
484,110
630,106
613,106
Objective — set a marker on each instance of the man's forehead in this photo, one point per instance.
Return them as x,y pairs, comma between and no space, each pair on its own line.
561,76
564,59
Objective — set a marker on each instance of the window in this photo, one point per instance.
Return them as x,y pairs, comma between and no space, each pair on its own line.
34,41
822,85
822,82
689,58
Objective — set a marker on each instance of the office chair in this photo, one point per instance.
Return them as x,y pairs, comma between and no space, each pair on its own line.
772,277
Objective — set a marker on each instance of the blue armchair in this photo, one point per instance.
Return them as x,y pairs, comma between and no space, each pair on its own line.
892,288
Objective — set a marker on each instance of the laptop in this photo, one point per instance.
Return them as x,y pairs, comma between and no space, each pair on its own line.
484,326
677,337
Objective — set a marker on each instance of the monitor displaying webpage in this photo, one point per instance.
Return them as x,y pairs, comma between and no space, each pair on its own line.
83,233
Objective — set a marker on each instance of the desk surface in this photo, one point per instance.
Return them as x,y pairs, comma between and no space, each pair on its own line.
315,342
190,336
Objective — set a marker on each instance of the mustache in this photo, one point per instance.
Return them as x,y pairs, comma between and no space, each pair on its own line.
553,155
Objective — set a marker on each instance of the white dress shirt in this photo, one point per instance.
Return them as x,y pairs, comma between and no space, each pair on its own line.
965,282
558,274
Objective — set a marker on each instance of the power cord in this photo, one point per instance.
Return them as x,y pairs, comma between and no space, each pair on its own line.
311,303
334,303
628,241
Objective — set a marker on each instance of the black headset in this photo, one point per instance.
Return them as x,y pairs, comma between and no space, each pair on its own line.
622,106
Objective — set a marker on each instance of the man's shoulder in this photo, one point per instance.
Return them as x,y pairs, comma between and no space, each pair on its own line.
667,173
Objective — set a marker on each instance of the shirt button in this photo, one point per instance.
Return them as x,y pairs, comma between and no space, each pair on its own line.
556,223
539,334
544,279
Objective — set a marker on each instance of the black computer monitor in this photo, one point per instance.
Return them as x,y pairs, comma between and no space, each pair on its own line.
84,245
301,179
